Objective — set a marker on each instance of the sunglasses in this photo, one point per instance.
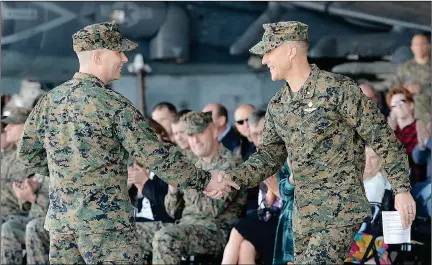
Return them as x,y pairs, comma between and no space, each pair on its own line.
401,102
240,122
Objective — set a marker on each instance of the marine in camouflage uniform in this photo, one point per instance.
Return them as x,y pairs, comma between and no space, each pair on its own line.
13,231
412,72
12,169
322,128
205,222
81,134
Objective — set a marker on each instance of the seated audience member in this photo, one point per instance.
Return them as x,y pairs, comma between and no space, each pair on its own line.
374,178
178,128
284,242
205,222
241,115
148,191
226,134
422,191
246,241
164,114
401,103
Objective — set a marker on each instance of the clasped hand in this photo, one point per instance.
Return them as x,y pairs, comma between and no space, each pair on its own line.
220,185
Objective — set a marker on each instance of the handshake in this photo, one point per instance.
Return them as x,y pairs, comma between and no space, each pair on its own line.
220,185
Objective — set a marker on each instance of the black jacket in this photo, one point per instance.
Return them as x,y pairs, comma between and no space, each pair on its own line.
154,190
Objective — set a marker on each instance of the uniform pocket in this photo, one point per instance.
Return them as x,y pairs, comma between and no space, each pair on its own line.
316,122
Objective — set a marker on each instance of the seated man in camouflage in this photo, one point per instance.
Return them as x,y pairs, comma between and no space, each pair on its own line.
205,223
34,192
12,169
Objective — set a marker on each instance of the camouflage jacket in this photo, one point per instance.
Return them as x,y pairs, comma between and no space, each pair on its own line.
196,208
81,135
322,129
411,72
12,169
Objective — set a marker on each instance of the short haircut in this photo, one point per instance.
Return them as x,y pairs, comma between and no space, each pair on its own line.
222,111
157,128
256,117
161,105
398,90
180,114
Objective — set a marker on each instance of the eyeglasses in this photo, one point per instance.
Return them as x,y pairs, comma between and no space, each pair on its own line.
240,122
401,102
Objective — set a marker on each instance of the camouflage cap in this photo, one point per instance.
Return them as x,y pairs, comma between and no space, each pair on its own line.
16,116
277,33
196,121
104,35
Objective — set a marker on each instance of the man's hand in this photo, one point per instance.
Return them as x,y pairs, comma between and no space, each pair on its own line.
273,185
24,191
172,190
423,133
220,185
138,176
391,120
406,206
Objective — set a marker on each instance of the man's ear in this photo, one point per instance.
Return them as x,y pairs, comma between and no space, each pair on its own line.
97,57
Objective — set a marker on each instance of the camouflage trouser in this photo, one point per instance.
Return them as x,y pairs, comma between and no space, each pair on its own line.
329,246
118,247
172,241
9,203
37,242
13,239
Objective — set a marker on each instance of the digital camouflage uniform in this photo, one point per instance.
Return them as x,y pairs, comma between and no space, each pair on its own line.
205,222
412,72
322,129
13,231
81,134
11,170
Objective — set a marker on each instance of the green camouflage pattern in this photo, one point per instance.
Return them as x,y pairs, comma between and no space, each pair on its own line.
12,239
197,208
277,33
146,231
12,169
118,247
85,133
196,121
104,35
16,116
40,207
323,129
328,246
14,229
37,242
168,242
205,222
412,72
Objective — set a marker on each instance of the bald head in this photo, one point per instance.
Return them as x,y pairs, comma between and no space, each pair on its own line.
241,114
